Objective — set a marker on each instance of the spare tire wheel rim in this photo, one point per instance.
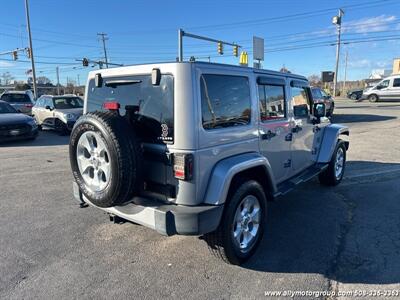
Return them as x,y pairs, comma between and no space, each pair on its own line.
246,223
93,161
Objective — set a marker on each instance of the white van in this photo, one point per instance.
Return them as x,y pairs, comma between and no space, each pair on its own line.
386,89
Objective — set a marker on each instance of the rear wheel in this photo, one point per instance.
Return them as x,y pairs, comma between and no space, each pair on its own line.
373,98
353,97
242,224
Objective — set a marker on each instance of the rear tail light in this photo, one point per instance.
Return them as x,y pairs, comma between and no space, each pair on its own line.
28,105
183,166
112,105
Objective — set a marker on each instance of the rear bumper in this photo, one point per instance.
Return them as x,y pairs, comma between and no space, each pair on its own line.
167,219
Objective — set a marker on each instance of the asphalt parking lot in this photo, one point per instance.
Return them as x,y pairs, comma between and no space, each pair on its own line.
317,239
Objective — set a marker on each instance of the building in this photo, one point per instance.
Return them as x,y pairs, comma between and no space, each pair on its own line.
396,66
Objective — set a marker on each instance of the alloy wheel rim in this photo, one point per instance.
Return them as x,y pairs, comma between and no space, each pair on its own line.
339,163
246,224
93,161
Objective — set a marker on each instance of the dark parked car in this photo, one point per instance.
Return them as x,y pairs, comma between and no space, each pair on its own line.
355,94
319,96
15,125
22,101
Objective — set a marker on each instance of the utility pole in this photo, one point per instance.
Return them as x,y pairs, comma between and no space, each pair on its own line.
78,82
345,73
28,25
58,80
337,20
104,38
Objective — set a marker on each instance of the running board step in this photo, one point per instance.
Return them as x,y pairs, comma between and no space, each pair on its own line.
288,185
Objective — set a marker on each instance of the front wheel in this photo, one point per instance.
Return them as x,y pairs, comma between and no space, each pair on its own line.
334,173
373,98
353,97
242,224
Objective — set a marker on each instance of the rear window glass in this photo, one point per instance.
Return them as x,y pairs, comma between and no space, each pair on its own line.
68,102
152,106
225,101
16,98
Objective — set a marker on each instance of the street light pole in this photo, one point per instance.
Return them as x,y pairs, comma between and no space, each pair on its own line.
28,25
337,20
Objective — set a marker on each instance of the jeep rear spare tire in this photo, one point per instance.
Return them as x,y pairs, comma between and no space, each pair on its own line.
105,158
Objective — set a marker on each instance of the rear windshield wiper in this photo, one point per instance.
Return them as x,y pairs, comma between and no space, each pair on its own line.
115,83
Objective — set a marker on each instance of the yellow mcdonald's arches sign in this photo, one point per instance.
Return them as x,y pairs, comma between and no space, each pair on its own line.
244,58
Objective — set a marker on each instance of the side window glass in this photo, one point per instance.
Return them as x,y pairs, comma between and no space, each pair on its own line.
49,102
225,101
301,102
272,102
384,83
396,82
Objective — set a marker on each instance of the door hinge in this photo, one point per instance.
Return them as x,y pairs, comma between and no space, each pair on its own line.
287,164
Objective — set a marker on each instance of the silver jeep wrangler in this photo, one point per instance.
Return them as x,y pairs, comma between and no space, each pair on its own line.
197,148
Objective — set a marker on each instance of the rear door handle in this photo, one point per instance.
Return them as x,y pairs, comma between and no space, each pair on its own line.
296,129
269,135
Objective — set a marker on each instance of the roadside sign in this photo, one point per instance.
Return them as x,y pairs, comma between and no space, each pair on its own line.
327,76
258,48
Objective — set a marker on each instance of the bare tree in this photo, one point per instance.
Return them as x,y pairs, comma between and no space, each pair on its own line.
43,80
314,79
7,78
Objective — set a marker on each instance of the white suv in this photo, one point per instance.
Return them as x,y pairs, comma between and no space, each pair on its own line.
387,89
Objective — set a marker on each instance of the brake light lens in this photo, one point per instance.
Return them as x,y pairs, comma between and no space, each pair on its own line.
111,105
183,166
28,105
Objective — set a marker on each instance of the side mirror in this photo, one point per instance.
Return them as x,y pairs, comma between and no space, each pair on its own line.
319,110
48,107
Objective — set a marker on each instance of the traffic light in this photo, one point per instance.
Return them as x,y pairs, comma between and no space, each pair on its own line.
28,53
85,62
236,51
15,55
220,48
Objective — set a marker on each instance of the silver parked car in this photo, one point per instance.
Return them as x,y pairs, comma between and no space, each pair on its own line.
197,148
58,112
387,89
22,101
